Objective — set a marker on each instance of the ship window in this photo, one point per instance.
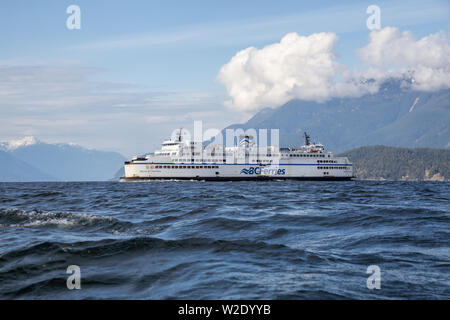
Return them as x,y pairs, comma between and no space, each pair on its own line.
197,167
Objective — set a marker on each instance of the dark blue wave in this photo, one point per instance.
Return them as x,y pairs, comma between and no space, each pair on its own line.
271,240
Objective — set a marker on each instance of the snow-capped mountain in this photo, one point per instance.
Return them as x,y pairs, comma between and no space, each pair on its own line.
40,161
14,144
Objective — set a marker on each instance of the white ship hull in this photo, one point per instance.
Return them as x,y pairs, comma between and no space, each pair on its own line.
211,171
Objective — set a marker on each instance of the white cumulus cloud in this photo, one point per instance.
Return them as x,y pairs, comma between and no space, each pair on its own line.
391,52
298,66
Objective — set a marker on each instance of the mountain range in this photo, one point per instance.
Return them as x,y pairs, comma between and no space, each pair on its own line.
394,116
29,159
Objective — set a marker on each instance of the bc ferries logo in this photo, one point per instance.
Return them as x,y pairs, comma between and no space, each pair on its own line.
265,171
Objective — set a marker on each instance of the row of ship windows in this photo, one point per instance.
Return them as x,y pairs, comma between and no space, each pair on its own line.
308,155
217,160
217,167
204,160
326,161
267,155
183,167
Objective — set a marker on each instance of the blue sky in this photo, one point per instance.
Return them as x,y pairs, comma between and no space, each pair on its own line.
138,69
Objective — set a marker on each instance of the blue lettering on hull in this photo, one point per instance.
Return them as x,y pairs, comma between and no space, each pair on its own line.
265,171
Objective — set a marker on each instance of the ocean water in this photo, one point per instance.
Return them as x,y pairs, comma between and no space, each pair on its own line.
225,240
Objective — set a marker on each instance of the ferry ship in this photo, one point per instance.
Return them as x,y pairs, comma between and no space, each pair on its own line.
183,159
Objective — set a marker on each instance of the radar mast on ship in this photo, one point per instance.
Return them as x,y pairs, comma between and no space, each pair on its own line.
307,143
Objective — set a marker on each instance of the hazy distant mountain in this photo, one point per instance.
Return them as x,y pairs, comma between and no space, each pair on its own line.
65,162
395,116
13,169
